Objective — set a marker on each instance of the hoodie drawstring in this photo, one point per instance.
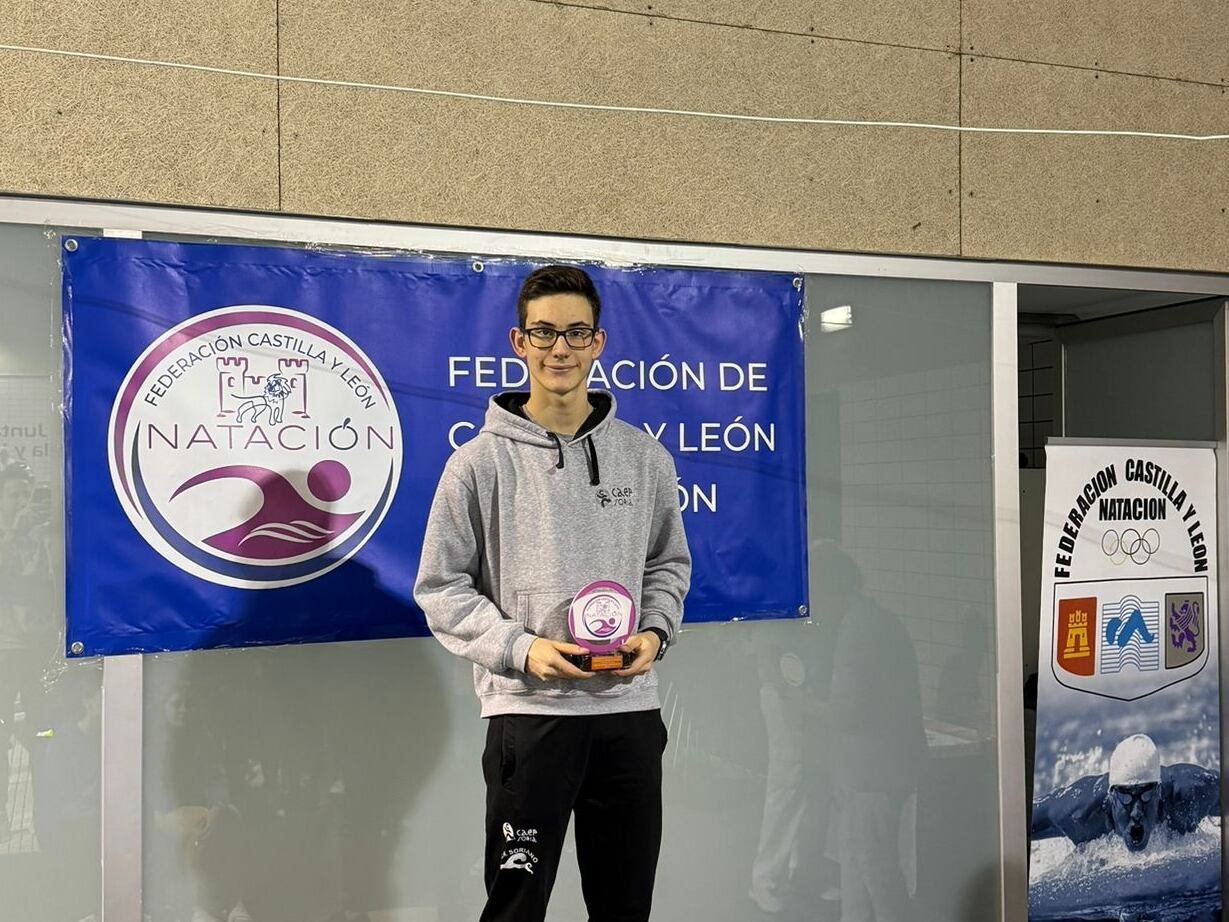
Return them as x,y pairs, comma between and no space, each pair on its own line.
591,454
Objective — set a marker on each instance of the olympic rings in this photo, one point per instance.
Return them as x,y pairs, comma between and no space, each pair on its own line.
1130,545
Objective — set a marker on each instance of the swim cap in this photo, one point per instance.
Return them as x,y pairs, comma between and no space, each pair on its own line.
1135,761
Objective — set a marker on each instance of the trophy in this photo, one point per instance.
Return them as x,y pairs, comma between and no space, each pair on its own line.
602,616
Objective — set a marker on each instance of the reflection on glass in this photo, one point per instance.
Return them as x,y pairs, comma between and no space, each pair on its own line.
846,749
840,767
50,709
281,783
878,745
795,672
880,797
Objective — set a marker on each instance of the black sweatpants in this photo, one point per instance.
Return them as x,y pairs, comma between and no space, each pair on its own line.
539,771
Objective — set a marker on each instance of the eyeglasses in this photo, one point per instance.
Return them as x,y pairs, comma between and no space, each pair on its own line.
545,337
1128,796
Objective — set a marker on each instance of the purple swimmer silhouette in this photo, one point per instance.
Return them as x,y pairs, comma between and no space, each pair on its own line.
602,616
286,525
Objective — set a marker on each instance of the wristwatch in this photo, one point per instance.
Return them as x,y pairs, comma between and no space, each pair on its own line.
665,642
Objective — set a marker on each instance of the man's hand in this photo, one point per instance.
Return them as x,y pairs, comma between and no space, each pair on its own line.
545,660
645,647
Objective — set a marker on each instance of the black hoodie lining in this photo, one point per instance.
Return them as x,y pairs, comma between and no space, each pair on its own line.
601,407
515,403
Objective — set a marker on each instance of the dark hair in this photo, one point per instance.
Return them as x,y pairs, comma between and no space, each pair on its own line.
557,280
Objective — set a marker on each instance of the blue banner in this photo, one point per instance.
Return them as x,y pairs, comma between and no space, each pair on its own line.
254,434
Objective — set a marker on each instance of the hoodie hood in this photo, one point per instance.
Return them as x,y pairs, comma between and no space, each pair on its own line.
505,418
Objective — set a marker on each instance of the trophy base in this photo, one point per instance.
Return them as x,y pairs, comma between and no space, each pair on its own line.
600,662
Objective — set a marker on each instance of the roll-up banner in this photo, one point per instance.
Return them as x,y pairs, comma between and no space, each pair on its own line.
1126,803
254,434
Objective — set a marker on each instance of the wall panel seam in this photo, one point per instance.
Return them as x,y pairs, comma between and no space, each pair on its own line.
960,136
277,48
1093,70
746,27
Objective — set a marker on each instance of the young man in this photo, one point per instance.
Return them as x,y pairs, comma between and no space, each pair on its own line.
525,515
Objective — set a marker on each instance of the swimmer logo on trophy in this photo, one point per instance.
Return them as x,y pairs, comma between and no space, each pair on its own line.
601,618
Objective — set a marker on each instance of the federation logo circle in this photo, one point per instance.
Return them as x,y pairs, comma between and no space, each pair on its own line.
602,616
254,446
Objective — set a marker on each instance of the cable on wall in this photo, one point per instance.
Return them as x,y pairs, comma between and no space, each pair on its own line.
596,107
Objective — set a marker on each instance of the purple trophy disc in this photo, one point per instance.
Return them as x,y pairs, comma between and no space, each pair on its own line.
602,616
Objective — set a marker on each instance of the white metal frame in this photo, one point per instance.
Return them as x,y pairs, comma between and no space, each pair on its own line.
123,696
1013,809
1220,332
378,235
122,678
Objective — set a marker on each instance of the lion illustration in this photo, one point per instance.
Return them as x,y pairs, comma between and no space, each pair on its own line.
272,401
1184,626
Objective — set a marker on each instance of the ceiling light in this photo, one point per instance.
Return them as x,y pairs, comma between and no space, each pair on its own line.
836,319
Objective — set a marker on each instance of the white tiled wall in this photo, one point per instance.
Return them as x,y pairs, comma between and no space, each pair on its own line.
915,473
1039,381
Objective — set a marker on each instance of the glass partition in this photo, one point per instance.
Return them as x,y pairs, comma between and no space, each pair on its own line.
840,766
901,772
50,709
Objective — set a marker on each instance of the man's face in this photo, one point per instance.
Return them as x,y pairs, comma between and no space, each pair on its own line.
560,369
1135,808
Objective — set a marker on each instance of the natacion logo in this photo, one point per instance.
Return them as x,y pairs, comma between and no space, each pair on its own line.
254,446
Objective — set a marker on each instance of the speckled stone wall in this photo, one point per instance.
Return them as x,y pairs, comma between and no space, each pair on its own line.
77,127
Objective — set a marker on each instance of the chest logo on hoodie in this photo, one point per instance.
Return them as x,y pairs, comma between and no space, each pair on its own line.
615,496
254,446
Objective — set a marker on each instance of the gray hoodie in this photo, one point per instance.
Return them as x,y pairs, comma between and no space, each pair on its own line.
522,520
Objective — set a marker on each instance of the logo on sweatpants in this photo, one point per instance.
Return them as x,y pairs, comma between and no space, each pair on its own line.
518,859
513,834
